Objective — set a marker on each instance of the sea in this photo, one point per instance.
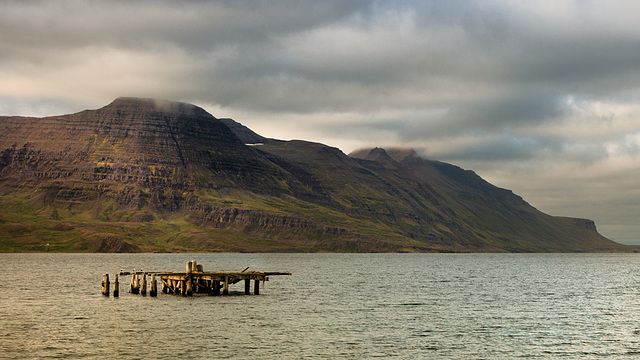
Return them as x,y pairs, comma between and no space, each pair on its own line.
333,306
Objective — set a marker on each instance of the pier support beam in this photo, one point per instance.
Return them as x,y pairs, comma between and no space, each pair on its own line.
105,285
225,286
189,287
247,287
143,288
116,286
135,284
154,286
256,287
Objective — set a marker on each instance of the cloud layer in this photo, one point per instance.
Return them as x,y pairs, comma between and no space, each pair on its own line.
539,97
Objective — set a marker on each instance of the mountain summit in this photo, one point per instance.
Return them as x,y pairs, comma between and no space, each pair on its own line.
150,175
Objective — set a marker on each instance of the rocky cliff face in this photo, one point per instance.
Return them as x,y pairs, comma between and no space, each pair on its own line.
166,149
148,175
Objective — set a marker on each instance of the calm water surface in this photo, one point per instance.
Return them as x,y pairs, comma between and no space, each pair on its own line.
405,306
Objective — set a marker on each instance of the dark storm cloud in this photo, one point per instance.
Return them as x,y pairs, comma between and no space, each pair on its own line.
490,116
194,25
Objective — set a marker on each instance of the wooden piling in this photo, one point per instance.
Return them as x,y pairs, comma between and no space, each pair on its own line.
247,286
154,286
189,286
105,285
143,286
225,286
135,284
116,286
256,287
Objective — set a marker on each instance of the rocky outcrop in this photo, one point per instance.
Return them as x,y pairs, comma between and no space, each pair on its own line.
112,244
259,222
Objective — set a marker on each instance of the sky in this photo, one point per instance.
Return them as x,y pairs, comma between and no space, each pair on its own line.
539,97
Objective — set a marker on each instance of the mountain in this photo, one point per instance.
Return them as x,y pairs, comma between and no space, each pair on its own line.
149,175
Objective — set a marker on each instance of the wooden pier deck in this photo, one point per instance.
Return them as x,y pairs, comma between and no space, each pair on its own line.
193,281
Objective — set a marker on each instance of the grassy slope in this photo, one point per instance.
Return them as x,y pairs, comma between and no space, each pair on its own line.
25,227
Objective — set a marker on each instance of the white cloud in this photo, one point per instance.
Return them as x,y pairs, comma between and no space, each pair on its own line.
100,72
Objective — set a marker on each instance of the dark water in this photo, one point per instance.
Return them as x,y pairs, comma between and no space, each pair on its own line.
405,306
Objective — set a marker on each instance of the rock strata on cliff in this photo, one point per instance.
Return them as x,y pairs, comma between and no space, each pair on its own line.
148,175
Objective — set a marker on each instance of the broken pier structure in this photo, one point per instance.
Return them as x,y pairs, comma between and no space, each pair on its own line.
193,281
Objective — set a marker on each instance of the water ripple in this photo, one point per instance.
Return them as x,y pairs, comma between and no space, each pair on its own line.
405,306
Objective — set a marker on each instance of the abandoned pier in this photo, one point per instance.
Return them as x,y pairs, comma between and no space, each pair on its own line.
193,281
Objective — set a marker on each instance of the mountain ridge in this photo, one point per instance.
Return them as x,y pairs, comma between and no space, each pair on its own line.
151,175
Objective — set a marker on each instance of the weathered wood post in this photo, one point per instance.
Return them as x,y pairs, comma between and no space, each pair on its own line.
188,288
225,286
135,284
116,286
183,287
154,286
164,285
105,285
197,268
143,287
247,286
216,287
256,287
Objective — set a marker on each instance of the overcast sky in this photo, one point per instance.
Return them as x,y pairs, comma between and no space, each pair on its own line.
540,97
